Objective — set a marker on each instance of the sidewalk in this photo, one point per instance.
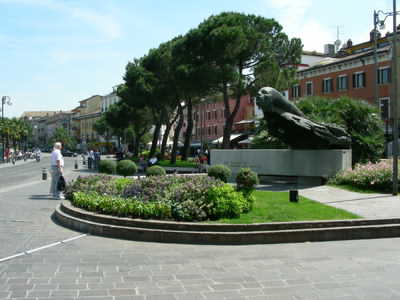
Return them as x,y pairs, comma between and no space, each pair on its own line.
370,206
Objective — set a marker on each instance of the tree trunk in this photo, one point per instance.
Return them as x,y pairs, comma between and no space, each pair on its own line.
168,127
229,116
156,135
177,131
189,130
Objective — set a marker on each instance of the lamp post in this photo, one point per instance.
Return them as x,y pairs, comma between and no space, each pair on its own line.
4,100
394,105
394,96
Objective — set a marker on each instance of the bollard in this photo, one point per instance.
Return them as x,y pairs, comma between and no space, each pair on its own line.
76,164
294,196
44,174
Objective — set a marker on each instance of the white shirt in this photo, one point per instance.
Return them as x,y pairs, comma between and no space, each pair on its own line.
56,155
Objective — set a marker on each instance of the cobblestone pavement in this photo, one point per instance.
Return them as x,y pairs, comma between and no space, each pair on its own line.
108,269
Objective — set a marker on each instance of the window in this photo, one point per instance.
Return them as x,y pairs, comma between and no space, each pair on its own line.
384,107
309,88
384,75
296,93
359,80
209,130
209,115
327,86
342,83
215,130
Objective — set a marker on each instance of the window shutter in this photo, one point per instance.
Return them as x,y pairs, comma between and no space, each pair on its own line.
337,83
332,87
390,74
323,90
354,80
378,79
299,90
364,75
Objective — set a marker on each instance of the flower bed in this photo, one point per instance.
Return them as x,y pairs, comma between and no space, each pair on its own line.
370,176
181,198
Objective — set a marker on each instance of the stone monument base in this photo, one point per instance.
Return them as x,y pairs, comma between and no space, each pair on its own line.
308,166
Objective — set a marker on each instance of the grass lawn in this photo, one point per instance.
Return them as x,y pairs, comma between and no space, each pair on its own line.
178,164
352,188
276,207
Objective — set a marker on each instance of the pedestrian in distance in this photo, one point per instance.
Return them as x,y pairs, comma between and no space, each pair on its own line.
90,159
56,170
96,158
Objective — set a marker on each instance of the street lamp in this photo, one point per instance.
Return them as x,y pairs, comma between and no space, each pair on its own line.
4,100
394,114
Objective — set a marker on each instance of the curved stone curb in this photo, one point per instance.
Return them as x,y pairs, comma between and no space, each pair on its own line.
195,233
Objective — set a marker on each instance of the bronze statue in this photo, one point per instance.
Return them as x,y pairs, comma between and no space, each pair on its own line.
286,122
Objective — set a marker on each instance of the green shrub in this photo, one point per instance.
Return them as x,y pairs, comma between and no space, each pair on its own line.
246,180
155,171
120,184
126,168
370,176
121,207
226,202
107,166
182,198
220,172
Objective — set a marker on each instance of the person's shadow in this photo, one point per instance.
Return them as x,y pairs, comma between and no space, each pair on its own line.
41,197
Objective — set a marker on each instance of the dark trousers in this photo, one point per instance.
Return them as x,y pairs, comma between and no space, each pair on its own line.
89,162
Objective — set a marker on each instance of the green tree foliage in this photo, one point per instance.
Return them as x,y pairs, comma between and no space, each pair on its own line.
360,119
127,121
239,48
62,135
15,132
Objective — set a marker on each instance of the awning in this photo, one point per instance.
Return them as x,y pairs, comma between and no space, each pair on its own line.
220,139
247,141
245,122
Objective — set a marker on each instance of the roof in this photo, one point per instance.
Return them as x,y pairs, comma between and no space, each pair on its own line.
37,114
314,53
335,60
220,139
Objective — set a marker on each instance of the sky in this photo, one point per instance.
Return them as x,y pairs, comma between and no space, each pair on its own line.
54,53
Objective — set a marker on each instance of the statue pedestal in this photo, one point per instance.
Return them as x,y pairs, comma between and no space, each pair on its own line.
306,165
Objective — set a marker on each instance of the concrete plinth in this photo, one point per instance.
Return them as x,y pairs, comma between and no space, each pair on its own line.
285,162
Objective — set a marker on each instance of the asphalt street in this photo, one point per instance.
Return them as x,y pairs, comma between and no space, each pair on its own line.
57,263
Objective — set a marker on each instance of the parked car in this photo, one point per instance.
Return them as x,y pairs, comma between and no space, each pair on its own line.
67,153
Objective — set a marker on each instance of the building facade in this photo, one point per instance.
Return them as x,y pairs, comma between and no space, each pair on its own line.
109,99
88,112
351,73
209,119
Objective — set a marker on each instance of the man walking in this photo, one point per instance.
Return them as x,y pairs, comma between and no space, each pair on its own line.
56,170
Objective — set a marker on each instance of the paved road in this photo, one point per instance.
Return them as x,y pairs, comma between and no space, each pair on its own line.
98,268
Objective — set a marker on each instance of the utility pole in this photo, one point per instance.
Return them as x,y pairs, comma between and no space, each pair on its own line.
395,117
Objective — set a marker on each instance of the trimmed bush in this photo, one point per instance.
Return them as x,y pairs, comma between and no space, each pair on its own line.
220,172
246,180
126,168
107,166
155,171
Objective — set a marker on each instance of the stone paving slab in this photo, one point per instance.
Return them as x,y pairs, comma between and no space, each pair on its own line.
369,206
99,268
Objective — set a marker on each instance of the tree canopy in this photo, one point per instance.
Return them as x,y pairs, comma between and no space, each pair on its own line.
231,54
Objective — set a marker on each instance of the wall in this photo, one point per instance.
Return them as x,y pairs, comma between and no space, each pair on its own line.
284,162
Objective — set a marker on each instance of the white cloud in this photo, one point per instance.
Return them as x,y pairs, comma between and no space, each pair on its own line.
292,15
104,23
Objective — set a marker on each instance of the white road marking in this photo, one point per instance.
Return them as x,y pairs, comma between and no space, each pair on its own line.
41,248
